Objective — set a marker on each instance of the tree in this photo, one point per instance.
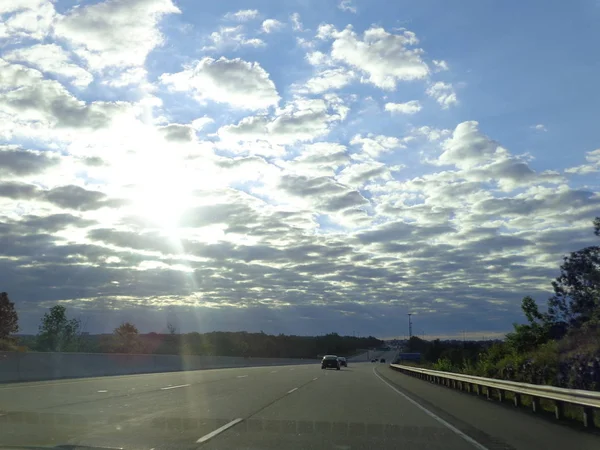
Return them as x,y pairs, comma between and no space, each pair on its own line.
9,320
126,338
576,298
57,333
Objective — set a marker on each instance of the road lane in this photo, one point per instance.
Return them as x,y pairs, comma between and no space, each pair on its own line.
350,409
495,425
270,407
143,417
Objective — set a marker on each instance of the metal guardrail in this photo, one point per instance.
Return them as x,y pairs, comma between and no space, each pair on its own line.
588,400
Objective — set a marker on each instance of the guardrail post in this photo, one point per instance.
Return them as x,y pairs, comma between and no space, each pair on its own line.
477,389
517,399
488,393
535,404
588,417
559,410
501,395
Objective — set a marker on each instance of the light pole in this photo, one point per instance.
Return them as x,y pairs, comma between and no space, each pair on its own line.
409,330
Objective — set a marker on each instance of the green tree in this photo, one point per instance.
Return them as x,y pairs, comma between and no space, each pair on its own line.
576,298
126,338
9,320
57,333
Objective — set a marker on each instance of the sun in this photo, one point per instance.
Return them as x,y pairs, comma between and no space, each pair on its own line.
162,192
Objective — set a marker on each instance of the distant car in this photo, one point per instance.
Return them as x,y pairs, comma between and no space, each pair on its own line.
343,361
330,362
382,360
373,360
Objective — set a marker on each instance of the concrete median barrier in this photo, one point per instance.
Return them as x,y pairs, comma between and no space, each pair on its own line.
37,366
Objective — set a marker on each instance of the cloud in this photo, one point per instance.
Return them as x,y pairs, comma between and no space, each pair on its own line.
300,121
539,127
243,15
443,93
239,83
27,96
468,147
324,192
385,58
296,23
31,19
114,33
271,25
330,79
176,132
18,162
357,175
346,5
593,158
440,65
375,145
68,196
411,107
51,58
232,38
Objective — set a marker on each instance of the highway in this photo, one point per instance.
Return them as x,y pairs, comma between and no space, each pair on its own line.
367,405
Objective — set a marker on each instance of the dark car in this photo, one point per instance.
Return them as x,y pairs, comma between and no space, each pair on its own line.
343,361
382,360
330,362
373,360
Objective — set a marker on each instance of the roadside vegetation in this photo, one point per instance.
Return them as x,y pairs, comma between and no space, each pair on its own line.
558,347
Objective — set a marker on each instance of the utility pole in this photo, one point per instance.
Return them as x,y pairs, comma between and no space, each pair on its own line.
409,331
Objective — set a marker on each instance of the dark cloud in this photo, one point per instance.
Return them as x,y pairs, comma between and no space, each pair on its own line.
16,161
178,133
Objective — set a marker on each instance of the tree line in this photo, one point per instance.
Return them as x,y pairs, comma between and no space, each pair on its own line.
59,333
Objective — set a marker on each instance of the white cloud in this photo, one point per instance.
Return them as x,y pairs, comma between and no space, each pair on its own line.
114,33
25,96
232,37
329,79
302,120
26,18
317,58
468,147
51,58
271,25
440,65
411,107
356,175
201,122
384,57
593,158
539,127
431,133
236,82
346,5
443,93
296,22
375,145
243,15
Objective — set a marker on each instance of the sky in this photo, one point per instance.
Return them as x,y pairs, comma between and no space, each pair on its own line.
297,167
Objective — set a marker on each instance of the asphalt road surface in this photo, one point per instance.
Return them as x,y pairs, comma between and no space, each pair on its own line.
367,405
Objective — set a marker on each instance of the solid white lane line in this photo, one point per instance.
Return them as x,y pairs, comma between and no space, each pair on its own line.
466,437
174,387
295,389
212,434
242,376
